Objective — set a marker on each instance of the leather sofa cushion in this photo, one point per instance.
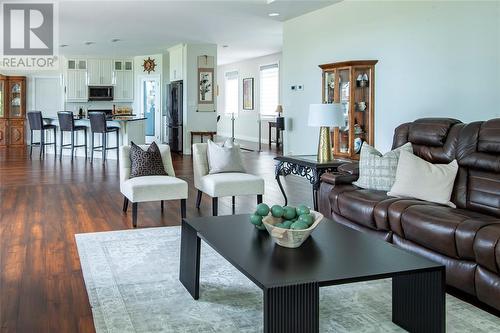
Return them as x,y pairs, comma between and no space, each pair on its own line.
489,137
459,273
359,205
487,247
443,229
488,287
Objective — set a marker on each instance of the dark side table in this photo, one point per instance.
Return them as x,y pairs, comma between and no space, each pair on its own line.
306,166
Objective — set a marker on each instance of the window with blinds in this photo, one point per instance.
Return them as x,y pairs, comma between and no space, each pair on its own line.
231,93
269,89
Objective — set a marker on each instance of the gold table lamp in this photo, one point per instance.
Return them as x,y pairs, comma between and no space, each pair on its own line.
325,116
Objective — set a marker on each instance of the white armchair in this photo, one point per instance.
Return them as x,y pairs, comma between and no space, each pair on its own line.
218,185
150,188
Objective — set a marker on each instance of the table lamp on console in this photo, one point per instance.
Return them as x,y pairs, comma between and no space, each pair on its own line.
325,116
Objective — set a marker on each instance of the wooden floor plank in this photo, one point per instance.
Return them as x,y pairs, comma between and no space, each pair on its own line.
44,203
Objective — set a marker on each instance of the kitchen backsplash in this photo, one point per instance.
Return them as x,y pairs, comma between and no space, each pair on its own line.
75,107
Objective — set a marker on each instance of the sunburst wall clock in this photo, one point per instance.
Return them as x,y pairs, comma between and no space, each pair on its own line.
149,65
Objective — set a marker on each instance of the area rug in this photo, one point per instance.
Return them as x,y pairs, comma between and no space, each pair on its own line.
132,283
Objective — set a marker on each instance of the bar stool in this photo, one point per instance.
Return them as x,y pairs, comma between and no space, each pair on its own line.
35,120
67,124
98,125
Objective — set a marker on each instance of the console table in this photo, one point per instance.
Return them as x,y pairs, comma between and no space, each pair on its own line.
201,134
306,166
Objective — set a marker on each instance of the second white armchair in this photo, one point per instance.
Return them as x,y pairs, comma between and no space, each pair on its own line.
218,185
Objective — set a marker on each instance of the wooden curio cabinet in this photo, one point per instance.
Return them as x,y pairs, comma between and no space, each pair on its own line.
352,84
12,110
3,116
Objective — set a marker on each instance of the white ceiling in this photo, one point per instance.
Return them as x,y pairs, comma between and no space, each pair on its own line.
148,27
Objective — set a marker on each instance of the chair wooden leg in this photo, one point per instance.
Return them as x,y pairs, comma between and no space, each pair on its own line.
215,206
259,199
92,148
55,142
118,145
86,148
233,204
134,214
61,141
162,206
42,142
104,144
72,144
198,199
31,142
125,204
183,208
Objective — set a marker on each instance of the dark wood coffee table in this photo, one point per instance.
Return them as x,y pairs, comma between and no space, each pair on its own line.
334,254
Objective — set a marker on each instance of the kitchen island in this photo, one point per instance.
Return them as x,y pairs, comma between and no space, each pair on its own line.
132,129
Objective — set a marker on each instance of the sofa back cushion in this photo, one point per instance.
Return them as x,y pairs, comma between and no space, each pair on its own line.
478,156
433,139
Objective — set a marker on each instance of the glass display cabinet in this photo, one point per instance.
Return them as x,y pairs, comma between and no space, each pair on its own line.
3,121
351,83
12,110
16,100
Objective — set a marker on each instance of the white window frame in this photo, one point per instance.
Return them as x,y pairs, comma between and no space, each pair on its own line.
271,109
229,98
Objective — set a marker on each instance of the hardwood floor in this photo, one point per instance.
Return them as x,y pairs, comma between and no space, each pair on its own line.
44,203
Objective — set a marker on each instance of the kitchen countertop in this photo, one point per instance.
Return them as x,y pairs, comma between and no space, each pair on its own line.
114,118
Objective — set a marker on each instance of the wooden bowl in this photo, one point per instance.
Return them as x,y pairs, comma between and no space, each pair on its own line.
288,237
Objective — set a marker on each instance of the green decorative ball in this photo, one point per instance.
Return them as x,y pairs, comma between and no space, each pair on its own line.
289,212
262,209
287,224
306,218
256,219
277,211
299,225
261,226
279,225
302,209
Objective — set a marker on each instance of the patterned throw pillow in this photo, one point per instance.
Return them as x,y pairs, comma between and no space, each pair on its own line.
146,162
377,171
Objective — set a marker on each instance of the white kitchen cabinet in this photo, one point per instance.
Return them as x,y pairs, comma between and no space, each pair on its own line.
76,85
100,72
123,80
176,62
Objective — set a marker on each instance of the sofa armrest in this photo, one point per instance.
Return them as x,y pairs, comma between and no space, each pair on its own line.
349,168
346,174
337,178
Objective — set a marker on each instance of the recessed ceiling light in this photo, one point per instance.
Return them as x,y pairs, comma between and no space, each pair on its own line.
63,45
274,14
89,43
114,40
225,46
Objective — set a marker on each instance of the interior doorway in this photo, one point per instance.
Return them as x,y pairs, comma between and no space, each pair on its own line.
151,106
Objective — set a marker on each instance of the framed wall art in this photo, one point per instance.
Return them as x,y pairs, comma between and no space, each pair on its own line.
206,86
248,99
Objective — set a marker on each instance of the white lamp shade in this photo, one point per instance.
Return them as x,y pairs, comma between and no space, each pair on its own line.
330,115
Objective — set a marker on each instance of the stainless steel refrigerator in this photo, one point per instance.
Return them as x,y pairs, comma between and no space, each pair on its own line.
172,117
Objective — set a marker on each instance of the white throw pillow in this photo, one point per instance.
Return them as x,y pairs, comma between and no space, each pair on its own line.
417,178
377,172
225,158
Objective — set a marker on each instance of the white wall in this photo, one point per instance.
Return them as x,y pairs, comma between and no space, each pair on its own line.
246,126
139,75
436,59
196,121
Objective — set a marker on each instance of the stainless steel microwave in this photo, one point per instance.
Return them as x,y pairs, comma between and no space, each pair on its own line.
100,93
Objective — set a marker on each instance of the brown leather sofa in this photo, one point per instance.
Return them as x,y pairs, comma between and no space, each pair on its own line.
466,239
